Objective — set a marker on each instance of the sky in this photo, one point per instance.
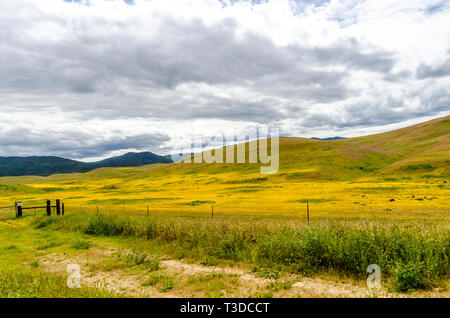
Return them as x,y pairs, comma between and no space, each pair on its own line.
90,79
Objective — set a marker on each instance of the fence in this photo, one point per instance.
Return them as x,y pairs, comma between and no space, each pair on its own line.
307,211
20,208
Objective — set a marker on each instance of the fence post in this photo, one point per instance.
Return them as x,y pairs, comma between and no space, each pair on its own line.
62,208
307,211
147,209
19,211
49,210
58,207
212,211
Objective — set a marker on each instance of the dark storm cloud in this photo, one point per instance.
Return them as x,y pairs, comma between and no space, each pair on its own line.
101,65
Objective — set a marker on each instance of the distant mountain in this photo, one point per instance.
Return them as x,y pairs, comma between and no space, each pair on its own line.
47,165
133,159
329,138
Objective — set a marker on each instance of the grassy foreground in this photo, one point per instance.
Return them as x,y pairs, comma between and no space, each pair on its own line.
21,283
410,256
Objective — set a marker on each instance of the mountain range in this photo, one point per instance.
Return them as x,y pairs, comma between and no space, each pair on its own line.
48,165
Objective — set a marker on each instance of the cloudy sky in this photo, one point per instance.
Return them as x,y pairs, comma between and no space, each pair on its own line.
93,78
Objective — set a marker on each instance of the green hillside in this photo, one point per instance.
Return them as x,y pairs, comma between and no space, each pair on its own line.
48,165
421,150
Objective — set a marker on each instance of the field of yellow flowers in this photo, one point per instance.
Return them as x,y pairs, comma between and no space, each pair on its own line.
229,194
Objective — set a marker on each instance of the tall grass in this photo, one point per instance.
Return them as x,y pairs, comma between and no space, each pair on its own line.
346,248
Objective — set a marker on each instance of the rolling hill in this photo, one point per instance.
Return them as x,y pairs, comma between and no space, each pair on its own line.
422,150
48,165
419,150
403,173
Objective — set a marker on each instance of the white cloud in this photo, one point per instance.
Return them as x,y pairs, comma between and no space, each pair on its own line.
99,77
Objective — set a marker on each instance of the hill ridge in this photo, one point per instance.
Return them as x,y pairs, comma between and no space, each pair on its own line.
48,165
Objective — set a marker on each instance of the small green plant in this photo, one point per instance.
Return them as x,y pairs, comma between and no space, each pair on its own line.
280,285
410,276
270,273
165,283
136,257
153,280
34,264
209,261
168,285
81,245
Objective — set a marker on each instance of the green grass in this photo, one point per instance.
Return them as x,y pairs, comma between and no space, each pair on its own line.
163,282
20,283
153,280
81,245
135,257
280,285
48,245
346,248
215,284
411,276
270,273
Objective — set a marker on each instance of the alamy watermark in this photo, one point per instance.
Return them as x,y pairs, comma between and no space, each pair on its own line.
261,146
74,279
374,279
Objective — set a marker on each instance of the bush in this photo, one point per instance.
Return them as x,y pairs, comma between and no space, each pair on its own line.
411,276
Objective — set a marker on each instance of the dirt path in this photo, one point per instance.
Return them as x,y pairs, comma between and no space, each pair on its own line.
193,280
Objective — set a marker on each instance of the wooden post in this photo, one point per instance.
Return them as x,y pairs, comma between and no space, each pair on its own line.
62,208
58,207
18,206
147,209
307,211
212,211
97,208
49,210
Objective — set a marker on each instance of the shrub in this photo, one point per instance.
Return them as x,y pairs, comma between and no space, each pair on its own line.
411,276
